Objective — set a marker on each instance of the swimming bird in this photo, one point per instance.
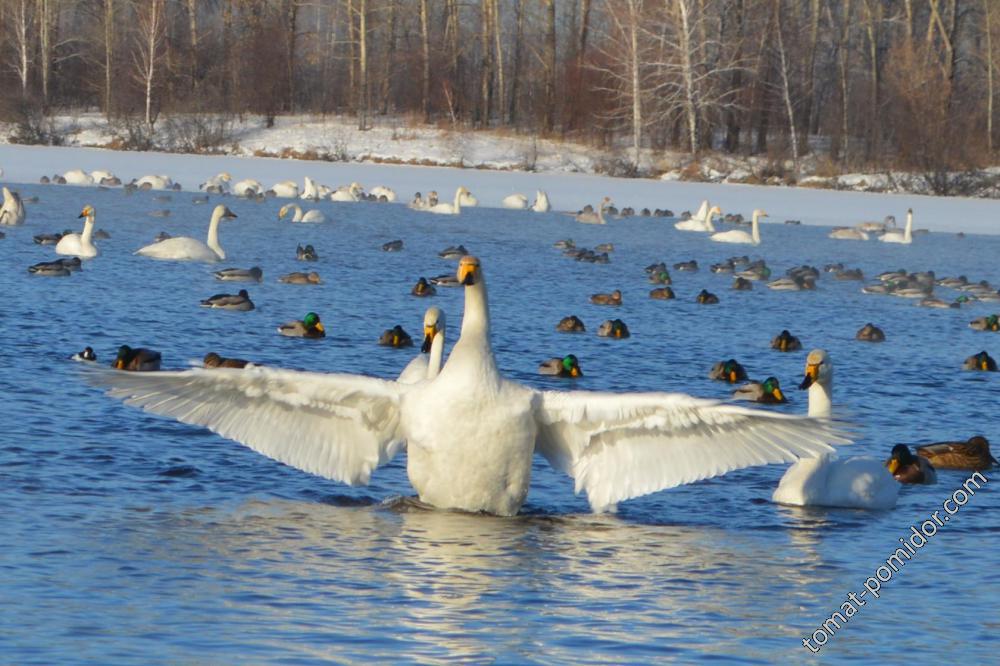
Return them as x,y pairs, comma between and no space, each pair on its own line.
690,266
660,277
308,327
973,455
848,233
298,216
49,239
348,194
383,193
767,392
427,364
981,361
87,355
306,253
541,204
887,223
213,360
613,328
515,201
728,371
453,208
705,297
818,381
742,284
662,294
896,236
185,248
795,283
740,236
614,298
247,187
301,278
700,221
395,337
12,213
870,333
570,324
240,301
987,323
49,269
155,182
217,184
254,274
453,252
392,246
590,217
423,288
786,342
139,359
80,245
287,189
567,366
908,468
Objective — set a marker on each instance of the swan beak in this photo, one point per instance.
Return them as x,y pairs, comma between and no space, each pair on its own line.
83,214
428,339
893,465
467,274
812,374
778,395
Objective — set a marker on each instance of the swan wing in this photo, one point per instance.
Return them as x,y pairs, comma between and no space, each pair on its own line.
337,426
618,446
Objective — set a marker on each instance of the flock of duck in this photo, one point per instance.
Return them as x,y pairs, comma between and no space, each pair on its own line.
469,432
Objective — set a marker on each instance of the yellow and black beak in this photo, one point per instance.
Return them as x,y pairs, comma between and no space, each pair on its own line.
812,374
778,395
82,214
467,274
893,465
428,339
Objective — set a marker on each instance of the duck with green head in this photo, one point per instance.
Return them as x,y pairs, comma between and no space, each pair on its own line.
567,366
137,360
613,328
728,371
981,361
767,392
908,468
309,327
988,323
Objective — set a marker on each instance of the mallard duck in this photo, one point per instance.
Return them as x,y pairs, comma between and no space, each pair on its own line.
767,392
136,360
786,342
308,327
613,328
658,267
564,244
254,274
971,455
423,288
690,266
445,280
301,278
605,247
660,277
566,366
742,284
723,267
932,302
395,337
571,324
213,360
849,274
239,301
908,468
988,323
981,361
614,298
307,253
793,283
728,371
453,252
87,355
662,293
49,269
392,246
870,333
706,298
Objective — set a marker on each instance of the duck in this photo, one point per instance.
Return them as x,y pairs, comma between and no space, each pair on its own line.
742,284
254,274
614,328
740,236
660,277
163,212
515,201
987,323
298,216
383,193
570,324
423,288
139,359
86,356
931,302
12,212
981,361
730,371
306,253
896,236
49,269
564,244
767,392
392,246
213,360
590,217
301,278
49,239
870,333
286,189
848,233
690,266
786,342
418,202
427,363
614,298
705,297
700,221
541,203
453,208
567,366
308,327
794,283
80,245
185,248
395,337
662,294
972,455
471,434
453,252
849,274
908,468
444,280
240,301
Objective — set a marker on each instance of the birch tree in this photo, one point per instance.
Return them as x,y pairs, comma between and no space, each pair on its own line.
148,46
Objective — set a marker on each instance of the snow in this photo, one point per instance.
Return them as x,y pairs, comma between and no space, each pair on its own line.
567,191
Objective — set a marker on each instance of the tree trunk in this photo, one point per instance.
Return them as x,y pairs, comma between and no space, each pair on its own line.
736,80
425,89
390,57
501,90
192,9
512,113
550,64
485,63
786,88
989,75
635,82
291,21
687,72
363,97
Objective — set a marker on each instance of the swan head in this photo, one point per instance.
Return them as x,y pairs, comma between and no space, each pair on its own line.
312,322
433,325
470,272
715,210
223,213
88,211
760,213
819,369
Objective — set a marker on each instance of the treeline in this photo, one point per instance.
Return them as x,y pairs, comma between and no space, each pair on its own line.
907,83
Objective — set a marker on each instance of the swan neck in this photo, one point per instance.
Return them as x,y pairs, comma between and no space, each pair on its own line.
297,213
475,322
458,200
708,222
820,402
88,229
756,228
907,233
437,352
213,232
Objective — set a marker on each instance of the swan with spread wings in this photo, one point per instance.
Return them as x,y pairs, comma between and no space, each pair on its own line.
471,434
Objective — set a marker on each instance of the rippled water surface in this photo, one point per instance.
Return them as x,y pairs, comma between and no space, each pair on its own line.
127,538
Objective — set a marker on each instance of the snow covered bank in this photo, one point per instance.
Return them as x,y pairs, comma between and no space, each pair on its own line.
567,191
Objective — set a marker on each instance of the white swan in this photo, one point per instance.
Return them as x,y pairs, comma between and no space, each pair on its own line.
286,189
217,184
99,175
470,434
309,190
380,191
890,221
468,200
299,216
427,363
453,208
80,245
12,213
185,248
859,482
541,204
78,177
591,217
248,187
700,221
515,201
350,193
897,236
740,236
847,233
155,182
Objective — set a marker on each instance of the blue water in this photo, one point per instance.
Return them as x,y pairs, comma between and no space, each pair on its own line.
132,539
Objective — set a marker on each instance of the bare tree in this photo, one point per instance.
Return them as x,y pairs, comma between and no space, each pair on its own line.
148,46
20,22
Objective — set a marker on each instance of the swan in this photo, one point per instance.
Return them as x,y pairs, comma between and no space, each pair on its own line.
309,190
590,217
897,236
468,200
740,236
890,221
380,191
515,201
185,248
299,216
247,187
80,245
427,363
859,482
12,213
450,208
78,177
101,175
470,433
350,193
286,189
155,182
847,233
541,204
700,221
218,184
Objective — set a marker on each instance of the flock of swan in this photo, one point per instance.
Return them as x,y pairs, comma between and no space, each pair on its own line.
470,433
